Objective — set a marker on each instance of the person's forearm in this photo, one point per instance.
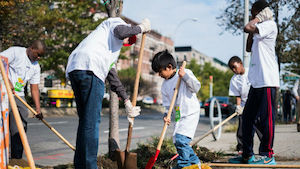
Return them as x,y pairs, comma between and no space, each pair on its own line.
249,42
251,27
116,84
192,84
238,100
36,96
124,31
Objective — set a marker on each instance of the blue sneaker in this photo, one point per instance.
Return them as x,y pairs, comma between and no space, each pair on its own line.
241,160
264,160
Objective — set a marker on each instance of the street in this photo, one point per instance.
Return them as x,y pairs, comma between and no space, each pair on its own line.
49,150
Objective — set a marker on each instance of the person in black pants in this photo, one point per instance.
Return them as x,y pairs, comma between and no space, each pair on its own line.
287,106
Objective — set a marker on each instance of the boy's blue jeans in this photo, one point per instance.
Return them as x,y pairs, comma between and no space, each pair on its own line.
88,90
186,154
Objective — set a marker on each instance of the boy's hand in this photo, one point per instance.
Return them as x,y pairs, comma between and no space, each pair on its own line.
167,120
239,109
181,72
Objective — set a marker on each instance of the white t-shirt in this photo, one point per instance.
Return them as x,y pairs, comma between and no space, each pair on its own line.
239,86
21,69
98,51
296,88
186,104
263,69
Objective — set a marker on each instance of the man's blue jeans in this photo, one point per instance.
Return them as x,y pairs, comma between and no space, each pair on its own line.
186,154
88,90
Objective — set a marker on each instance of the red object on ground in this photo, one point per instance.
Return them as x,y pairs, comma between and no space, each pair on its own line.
152,160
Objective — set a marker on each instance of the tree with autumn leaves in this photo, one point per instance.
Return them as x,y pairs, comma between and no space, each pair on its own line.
287,17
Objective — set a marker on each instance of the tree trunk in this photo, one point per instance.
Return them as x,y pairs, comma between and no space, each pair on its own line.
113,9
113,138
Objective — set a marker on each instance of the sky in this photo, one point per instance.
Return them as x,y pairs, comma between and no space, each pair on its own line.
173,18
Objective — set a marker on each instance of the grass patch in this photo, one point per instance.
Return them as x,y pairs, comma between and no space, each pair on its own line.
231,127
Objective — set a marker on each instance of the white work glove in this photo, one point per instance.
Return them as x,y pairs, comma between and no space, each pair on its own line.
131,111
145,25
265,14
239,109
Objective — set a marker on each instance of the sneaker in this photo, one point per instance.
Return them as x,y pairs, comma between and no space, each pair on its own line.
194,166
240,160
264,160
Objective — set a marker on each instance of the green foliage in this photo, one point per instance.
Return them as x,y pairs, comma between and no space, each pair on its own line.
61,24
127,77
287,17
221,79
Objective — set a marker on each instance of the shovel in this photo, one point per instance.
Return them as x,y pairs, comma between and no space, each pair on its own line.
47,124
17,118
127,159
162,135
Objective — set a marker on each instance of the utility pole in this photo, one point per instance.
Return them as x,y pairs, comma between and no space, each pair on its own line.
246,57
210,86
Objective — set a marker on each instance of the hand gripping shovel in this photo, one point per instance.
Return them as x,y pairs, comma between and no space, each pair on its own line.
17,118
162,135
130,159
47,124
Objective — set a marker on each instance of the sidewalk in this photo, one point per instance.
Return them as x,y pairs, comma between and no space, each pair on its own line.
286,144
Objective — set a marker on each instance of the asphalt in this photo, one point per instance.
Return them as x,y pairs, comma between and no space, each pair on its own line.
286,144
286,140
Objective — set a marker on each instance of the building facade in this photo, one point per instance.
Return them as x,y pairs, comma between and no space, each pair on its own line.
187,53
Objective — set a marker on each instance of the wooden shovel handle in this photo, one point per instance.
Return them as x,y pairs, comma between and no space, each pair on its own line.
17,118
46,123
162,135
196,140
136,88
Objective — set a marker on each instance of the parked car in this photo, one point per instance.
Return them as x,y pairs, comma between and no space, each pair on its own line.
226,104
148,100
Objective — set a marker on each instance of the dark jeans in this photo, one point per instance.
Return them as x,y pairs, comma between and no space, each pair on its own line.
260,106
16,146
88,91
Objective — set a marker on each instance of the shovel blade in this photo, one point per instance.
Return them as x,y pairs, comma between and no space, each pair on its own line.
152,160
120,157
130,160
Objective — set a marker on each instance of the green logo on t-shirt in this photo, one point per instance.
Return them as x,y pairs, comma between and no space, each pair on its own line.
19,85
177,113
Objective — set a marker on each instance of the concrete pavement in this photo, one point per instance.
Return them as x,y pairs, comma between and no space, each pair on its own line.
286,144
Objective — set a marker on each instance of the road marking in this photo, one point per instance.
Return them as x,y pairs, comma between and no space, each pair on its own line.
40,124
126,129
52,157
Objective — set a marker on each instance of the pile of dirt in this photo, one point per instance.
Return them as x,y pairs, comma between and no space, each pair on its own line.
18,162
168,150
105,163
144,152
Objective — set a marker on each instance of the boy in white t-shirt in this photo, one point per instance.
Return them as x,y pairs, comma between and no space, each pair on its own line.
296,93
239,87
23,67
186,107
264,78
